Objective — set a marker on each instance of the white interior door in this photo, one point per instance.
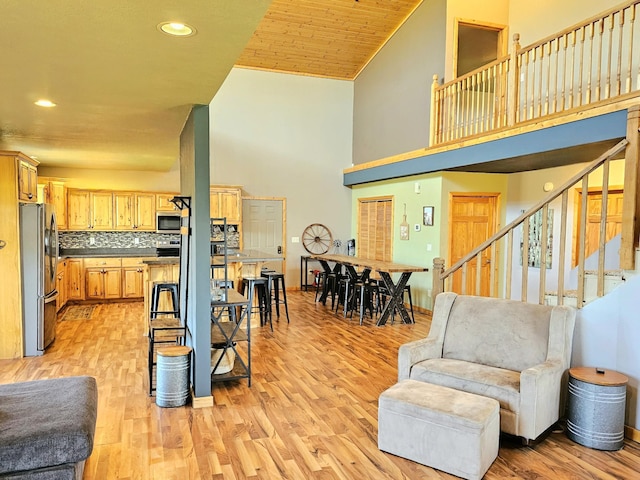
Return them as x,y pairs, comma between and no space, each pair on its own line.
262,223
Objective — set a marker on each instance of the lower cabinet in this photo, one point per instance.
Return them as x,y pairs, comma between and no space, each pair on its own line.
61,285
75,279
103,279
133,277
103,283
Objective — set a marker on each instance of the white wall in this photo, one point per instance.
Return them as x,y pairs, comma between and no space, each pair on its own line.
495,12
537,20
393,93
290,136
606,335
116,179
525,190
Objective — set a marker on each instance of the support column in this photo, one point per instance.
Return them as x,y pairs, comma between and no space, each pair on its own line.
631,202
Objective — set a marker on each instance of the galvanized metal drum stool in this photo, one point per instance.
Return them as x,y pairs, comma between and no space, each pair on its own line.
596,407
172,384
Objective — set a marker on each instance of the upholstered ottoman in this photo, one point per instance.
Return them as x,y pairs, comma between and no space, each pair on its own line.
47,428
453,431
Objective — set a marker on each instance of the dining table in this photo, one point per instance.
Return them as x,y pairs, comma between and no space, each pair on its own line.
385,269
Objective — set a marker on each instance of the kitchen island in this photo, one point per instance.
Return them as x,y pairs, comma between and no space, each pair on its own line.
239,263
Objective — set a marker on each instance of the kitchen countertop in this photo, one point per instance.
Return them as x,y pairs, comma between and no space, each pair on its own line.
240,256
106,252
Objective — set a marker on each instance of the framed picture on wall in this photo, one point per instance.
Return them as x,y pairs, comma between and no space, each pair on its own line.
427,216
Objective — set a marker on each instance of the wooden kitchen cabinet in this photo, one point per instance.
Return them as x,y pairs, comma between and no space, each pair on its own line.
103,278
163,203
134,211
61,285
55,193
75,279
11,191
89,210
27,179
226,202
133,277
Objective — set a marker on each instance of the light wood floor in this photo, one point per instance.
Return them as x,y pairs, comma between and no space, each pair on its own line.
311,411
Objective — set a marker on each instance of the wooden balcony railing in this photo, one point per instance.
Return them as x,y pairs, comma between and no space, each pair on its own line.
503,241
596,61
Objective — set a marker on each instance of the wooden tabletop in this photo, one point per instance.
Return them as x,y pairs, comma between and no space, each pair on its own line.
233,298
377,265
609,378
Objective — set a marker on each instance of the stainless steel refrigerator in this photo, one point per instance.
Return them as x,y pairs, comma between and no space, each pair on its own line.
39,260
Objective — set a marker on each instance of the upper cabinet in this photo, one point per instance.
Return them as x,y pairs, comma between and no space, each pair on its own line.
55,193
164,204
27,179
226,202
89,210
134,211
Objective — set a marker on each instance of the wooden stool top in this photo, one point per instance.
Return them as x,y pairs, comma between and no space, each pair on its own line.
174,351
609,378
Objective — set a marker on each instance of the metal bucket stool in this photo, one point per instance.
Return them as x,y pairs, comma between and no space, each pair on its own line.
595,416
172,384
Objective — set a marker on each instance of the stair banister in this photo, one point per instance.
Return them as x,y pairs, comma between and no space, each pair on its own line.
440,274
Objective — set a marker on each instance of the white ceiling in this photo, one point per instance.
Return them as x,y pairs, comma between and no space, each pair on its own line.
122,88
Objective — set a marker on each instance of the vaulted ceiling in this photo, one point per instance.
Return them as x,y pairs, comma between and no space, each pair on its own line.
123,89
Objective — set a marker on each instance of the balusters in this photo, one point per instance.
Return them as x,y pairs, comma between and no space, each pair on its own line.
563,246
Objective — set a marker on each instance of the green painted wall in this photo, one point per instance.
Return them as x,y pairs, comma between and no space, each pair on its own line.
430,241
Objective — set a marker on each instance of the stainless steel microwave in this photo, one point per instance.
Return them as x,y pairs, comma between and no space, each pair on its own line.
167,222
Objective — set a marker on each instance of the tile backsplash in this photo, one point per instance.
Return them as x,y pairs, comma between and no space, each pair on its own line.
69,240
112,239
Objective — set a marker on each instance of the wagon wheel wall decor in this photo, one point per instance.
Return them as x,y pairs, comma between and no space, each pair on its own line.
317,239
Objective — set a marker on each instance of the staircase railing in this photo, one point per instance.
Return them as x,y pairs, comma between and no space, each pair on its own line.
594,62
489,250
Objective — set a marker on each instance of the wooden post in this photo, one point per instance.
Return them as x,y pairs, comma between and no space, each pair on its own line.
433,115
631,200
438,283
513,82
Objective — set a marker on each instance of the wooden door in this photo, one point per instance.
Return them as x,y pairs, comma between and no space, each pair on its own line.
263,227
472,220
78,210
594,213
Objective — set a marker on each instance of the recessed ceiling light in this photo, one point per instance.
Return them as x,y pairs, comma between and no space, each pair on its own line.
45,103
177,29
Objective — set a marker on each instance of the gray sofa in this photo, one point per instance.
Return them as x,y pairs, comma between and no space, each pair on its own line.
517,353
47,428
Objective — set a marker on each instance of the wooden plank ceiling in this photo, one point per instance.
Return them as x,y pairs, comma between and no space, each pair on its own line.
327,38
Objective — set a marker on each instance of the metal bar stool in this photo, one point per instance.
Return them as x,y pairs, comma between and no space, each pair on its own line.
158,288
259,286
274,280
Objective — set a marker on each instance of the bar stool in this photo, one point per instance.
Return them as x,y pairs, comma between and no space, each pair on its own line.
329,283
163,331
274,280
259,286
361,299
345,295
158,288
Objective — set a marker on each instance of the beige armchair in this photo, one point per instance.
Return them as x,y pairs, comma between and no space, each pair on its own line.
517,353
